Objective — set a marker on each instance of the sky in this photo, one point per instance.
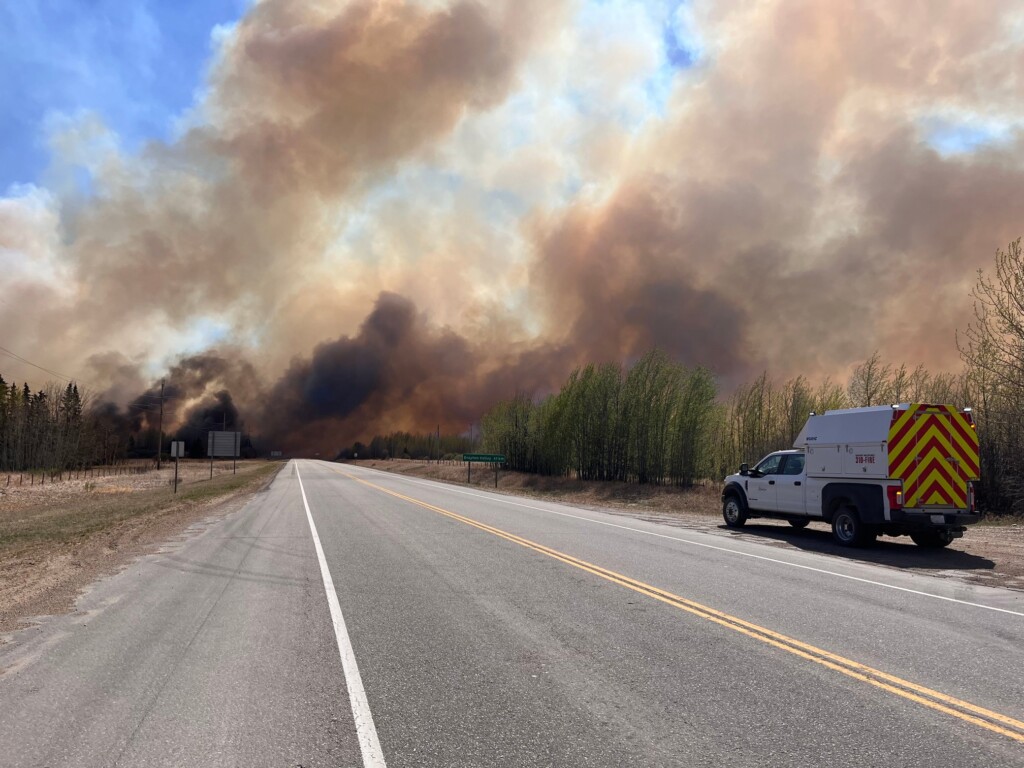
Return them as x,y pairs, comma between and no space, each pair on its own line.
382,214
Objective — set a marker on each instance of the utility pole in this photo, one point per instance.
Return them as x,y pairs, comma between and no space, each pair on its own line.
160,441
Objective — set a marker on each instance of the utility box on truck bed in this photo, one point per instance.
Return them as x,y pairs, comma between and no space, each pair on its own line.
897,470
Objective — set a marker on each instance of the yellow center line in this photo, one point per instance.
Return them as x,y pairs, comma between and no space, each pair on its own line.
936,700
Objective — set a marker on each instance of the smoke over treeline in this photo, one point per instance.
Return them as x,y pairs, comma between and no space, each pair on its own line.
384,215
658,422
394,372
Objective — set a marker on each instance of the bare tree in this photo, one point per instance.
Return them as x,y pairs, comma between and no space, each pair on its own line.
994,342
870,383
993,349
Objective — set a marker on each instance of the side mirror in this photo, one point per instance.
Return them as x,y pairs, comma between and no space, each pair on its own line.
744,469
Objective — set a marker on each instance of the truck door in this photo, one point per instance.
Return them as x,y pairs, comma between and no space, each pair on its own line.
791,485
761,491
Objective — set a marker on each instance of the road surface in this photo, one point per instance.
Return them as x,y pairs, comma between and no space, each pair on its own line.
348,617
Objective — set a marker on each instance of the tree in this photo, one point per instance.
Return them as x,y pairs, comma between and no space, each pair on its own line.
691,428
870,383
994,342
992,346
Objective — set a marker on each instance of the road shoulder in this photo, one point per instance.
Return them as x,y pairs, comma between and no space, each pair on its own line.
49,557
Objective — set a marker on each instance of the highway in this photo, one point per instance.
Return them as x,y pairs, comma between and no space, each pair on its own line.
349,617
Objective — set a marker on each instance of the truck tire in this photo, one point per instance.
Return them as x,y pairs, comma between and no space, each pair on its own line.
932,539
734,511
798,524
848,530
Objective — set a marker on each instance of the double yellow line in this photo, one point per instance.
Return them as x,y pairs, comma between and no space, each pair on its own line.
940,702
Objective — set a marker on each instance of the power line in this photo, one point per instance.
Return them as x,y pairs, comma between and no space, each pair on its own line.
138,406
4,350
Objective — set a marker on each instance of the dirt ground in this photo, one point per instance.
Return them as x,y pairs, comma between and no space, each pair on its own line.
990,553
56,539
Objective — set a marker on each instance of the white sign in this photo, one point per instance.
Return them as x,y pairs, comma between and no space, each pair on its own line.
177,449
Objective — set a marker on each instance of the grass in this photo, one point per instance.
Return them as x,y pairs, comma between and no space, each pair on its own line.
999,521
92,513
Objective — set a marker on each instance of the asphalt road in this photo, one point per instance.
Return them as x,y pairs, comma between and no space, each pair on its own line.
473,629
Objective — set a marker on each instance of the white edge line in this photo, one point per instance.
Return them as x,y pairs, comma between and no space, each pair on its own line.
369,744
497,497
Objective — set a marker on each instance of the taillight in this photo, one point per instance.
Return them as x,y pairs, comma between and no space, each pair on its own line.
895,497
970,496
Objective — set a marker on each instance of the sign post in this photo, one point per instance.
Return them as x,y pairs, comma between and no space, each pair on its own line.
486,458
177,451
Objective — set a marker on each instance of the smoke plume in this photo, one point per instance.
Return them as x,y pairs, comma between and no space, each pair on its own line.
387,214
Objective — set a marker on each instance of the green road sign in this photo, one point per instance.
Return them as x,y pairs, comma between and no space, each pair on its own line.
489,458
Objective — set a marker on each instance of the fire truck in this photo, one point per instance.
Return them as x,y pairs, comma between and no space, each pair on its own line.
900,470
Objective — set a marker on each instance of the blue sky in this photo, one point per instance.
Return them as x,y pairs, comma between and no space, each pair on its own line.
955,138
136,64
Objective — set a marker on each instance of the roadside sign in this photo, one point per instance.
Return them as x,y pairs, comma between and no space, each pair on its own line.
226,444
484,458
488,458
275,454
223,444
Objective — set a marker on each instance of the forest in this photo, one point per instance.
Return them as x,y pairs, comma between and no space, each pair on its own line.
58,427
52,428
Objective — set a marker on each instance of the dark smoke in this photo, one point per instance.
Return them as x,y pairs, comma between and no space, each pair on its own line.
216,412
395,371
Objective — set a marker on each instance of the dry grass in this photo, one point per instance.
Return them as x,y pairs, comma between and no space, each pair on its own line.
64,512
58,538
1002,521
16,492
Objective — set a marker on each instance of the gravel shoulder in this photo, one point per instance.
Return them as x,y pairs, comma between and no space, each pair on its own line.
990,554
57,539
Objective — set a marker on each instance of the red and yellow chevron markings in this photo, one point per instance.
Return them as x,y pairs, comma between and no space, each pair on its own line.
933,449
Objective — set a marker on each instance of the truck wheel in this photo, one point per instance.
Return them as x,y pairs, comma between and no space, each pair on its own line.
932,539
848,530
799,523
734,511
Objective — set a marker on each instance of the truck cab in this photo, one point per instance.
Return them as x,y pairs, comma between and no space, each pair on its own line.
778,483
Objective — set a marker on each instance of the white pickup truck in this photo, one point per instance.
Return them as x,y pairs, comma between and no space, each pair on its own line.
901,470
